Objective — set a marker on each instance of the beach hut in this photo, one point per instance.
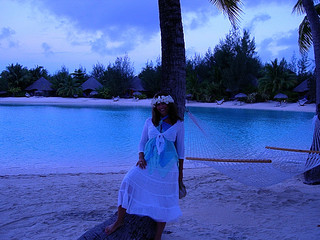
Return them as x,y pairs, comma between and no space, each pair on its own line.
303,90
41,87
91,86
302,87
135,85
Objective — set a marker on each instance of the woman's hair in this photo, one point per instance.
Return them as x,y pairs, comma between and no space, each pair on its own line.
172,111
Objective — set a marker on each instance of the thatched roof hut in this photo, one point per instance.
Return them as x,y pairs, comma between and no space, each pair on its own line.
302,87
136,85
41,87
41,84
90,86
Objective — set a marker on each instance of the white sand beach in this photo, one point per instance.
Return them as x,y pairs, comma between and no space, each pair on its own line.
64,206
146,102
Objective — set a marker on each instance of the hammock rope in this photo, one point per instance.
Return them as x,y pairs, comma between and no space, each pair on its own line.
255,167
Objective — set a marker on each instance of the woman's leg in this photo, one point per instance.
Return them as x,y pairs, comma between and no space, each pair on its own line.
118,223
159,230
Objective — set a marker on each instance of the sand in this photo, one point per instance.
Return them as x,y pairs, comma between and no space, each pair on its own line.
272,105
64,206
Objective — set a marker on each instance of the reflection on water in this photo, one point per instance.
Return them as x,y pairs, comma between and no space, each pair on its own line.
48,138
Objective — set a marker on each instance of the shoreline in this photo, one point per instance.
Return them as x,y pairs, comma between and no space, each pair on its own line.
96,102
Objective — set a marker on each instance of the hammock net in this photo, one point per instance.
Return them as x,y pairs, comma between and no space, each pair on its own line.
254,166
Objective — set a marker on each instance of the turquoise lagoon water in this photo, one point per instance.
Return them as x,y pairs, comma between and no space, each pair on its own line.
50,139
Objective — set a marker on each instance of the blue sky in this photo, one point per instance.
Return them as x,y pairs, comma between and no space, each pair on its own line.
86,32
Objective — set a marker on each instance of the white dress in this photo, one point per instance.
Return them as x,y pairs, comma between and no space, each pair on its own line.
155,192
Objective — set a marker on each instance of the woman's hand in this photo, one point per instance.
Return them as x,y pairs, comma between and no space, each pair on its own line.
180,176
180,170
142,163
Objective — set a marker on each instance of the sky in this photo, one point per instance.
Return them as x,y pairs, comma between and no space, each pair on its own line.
82,33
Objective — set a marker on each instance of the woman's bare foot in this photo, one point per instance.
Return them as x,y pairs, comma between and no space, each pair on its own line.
113,227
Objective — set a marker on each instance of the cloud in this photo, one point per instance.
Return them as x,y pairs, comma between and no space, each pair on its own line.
105,46
258,18
255,3
6,35
117,26
114,18
111,17
282,45
6,32
46,49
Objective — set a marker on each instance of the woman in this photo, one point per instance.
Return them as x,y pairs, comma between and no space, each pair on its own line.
151,188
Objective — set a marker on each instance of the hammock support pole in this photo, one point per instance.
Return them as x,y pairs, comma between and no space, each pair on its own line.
292,150
230,160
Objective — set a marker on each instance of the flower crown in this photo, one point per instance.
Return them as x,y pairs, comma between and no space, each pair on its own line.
162,99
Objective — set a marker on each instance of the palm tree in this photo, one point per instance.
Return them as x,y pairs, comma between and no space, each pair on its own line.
17,78
277,77
309,31
70,87
38,72
173,47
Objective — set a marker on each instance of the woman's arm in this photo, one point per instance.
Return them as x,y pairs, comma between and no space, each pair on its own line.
144,138
180,149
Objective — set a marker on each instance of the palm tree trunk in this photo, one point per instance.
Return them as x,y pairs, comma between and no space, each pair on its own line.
315,31
173,52
313,176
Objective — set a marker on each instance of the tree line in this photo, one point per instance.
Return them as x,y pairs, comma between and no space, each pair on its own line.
233,66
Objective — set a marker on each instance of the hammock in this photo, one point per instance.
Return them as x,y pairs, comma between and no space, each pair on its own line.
259,167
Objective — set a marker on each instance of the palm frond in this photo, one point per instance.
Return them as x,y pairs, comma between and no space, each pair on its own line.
230,8
317,7
298,8
305,36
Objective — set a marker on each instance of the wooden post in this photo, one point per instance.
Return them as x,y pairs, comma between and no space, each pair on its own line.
230,160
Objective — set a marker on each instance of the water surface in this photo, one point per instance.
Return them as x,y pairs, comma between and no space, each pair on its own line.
72,139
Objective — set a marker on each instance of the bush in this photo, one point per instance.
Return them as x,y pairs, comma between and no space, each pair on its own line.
104,92
252,97
142,96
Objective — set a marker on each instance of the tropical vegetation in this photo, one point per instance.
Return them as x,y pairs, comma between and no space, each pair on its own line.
233,66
